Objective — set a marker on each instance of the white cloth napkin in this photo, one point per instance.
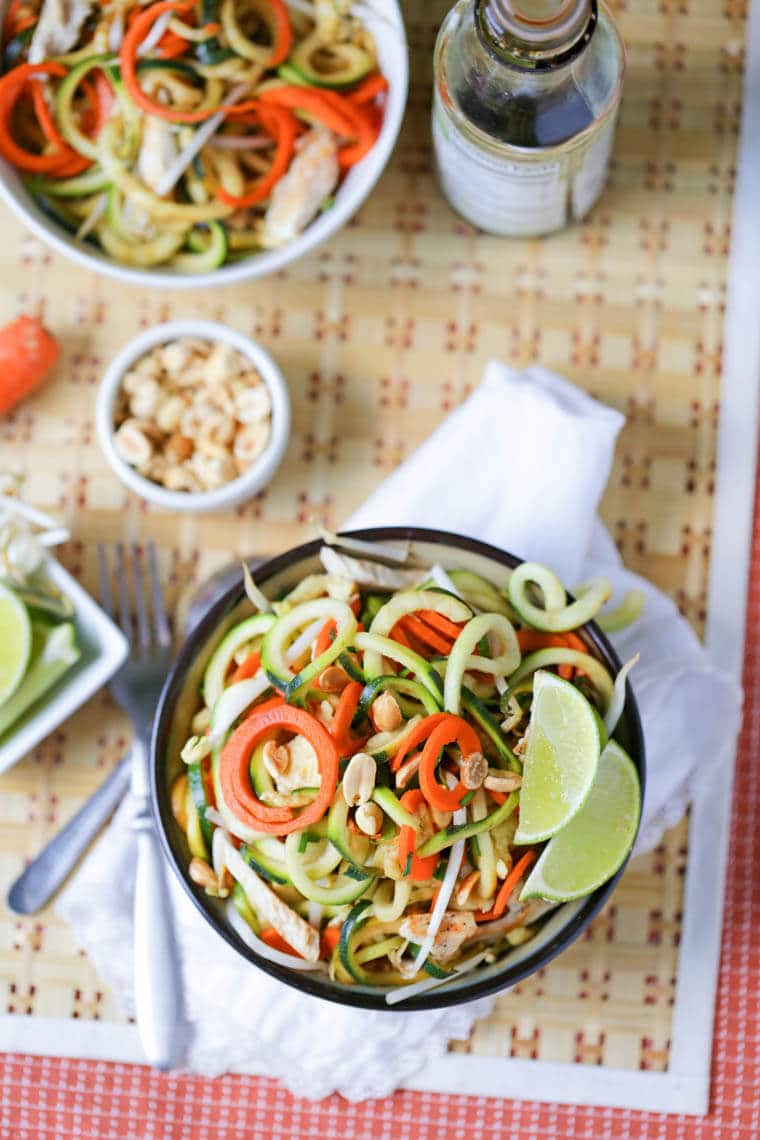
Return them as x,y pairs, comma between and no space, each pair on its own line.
521,464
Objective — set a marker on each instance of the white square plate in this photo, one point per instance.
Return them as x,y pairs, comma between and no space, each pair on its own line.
103,649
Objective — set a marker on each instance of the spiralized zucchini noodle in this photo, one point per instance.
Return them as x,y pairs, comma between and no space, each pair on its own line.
352,785
186,133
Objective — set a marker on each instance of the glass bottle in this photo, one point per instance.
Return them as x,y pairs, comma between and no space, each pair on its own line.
526,93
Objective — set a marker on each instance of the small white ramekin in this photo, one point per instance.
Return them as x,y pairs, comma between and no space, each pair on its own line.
232,493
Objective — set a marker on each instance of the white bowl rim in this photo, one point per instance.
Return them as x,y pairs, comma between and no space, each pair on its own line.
354,192
234,492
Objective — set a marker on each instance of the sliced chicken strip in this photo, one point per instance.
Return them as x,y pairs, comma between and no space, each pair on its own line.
297,197
58,28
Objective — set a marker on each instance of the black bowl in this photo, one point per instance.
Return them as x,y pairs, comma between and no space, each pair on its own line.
179,700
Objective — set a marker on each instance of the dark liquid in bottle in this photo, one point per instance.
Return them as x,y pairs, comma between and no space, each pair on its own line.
527,120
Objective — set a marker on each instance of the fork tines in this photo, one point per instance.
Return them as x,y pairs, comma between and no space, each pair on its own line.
130,564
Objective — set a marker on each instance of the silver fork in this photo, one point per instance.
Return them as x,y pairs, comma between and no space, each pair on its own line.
158,989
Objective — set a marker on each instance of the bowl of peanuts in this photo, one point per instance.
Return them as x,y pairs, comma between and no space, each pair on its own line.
193,416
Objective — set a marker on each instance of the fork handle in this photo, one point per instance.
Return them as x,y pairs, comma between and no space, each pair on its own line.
36,885
158,982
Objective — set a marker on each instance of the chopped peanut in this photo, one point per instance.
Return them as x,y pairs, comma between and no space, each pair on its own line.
474,770
203,874
276,758
385,713
192,415
369,818
359,779
333,679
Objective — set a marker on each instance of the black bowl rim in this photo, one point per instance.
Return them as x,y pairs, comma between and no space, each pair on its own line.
303,980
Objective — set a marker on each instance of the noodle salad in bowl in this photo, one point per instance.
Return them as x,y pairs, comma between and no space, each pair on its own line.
181,140
403,775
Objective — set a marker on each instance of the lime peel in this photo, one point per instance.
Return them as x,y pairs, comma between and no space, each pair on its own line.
561,758
15,642
594,845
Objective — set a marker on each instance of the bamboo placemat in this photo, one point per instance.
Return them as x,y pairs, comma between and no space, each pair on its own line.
379,335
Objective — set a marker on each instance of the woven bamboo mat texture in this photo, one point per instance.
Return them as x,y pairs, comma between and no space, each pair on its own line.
380,334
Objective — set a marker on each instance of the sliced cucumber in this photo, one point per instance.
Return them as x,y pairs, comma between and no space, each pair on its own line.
375,648
489,725
244,908
385,799
155,251
91,182
198,793
400,687
409,602
222,657
356,918
450,835
354,848
480,593
195,839
462,659
275,644
386,744
260,779
335,65
345,890
208,255
274,870
15,47
64,101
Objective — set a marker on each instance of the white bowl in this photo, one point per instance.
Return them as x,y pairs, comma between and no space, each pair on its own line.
103,648
232,493
384,20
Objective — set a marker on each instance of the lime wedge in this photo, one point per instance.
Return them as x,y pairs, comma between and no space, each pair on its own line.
15,642
561,758
594,844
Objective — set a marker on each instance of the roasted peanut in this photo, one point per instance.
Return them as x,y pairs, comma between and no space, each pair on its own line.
252,404
369,818
385,713
213,470
180,479
500,781
145,398
276,758
465,888
132,444
178,448
406,771
359,779
174,356
169,413
333,679
474,770
192,415
250,442
217,431
156,468
203,874
222,363
441,819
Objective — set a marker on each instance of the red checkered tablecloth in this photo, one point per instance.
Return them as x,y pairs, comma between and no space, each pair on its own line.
43,1097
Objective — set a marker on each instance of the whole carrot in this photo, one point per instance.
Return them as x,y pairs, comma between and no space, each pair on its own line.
27,353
